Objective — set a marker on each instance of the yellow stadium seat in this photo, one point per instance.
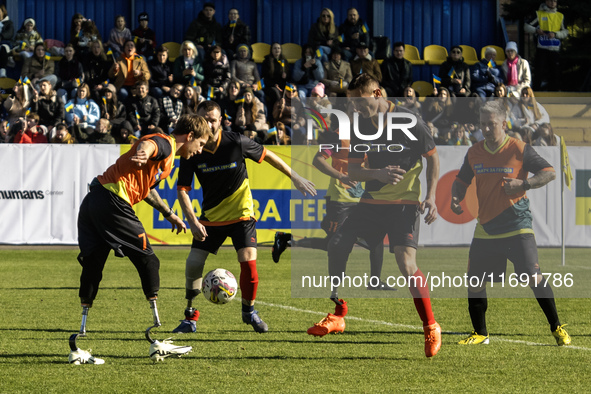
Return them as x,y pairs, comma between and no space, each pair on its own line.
500,53
6,84
174,50
422,88
291,51
411,53
469,54
435,54
259,51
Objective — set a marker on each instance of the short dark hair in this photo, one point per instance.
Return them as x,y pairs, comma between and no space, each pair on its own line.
364,82
399,44
208,106
209,4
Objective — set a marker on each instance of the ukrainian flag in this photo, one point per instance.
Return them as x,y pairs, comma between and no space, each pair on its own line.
289,87
452,73
341,38
232,24
364,28
26,81
78,81
28,111
23,45
319,52
135,38
491,64
211,92
137,116
104,100
193,82
261,84
436,80
228,117
106,82
110,52
69,106
239,100
47,55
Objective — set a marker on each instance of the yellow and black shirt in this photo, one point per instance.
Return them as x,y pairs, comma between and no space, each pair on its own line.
223,177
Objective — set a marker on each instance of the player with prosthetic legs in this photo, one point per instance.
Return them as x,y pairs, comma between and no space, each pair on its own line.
108,222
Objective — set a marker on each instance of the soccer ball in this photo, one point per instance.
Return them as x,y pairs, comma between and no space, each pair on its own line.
219,286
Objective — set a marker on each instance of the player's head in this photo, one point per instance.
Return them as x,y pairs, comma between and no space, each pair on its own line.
365,93
212,112
194,132
493,121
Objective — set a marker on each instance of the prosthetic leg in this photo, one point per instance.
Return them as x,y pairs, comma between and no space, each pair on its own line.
78,356
160,350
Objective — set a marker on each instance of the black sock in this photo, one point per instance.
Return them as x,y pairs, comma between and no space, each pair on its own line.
477,305
312,243
247,308
545,297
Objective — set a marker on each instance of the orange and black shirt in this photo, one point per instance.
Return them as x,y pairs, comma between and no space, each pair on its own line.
133,183
501,215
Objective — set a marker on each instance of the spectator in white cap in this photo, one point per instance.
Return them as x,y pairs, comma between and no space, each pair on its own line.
25,39
516,69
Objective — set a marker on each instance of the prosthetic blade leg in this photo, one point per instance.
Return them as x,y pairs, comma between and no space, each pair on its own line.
160,350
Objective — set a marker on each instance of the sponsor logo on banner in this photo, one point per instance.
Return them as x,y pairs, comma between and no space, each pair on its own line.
22,194
583,197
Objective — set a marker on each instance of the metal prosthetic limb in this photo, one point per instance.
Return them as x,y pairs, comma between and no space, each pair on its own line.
157,323
82,332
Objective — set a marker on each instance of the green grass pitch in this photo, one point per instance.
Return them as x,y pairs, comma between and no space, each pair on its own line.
380,351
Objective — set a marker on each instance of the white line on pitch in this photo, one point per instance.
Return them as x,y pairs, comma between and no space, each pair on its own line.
385,323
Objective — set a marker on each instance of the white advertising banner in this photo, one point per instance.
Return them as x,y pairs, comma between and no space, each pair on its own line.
43,186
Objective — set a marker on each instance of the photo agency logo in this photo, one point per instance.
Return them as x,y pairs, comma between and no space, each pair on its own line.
384,128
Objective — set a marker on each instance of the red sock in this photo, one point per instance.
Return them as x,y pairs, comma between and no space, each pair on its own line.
341,310
249,279
420,292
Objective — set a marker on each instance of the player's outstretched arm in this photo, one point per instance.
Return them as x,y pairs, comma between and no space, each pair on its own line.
389,175
321,164
432,177
156,202
458,192
302,184
197,229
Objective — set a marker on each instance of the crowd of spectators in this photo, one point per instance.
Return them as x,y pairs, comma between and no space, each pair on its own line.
126,87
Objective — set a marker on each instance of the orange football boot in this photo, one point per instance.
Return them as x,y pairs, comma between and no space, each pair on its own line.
432,339
331,323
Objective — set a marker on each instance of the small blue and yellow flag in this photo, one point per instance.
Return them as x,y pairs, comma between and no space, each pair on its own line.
239,100
436,80
364,28
341,38
137,116
135,38
211,92
232,24
138,57
47,55
319,52
28,111
23,45
193,82
106,82
104,100
26,81
110,52
228,117
20,81
491,64
261,84
272,132
69,106
289,87
78,81
452,73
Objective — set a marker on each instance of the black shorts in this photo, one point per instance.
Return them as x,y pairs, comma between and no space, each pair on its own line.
106,218
243,234
489,256
399,221
336,214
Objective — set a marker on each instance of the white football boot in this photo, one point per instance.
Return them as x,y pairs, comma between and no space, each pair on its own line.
160,350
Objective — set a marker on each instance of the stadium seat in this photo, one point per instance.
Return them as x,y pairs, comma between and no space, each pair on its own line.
6,84
469,54
259,51
411,53
291,51
434,54
174,50
500,53
422,88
